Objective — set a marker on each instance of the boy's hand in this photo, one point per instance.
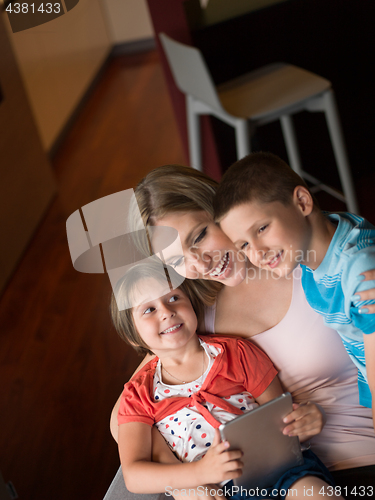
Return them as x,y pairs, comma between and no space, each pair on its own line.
305,421
368,294
219,464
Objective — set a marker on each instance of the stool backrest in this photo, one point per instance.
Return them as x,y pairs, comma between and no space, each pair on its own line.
190,71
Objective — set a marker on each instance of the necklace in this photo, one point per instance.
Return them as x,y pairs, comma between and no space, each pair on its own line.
182,381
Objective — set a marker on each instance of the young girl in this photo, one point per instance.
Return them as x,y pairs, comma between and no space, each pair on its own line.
194,384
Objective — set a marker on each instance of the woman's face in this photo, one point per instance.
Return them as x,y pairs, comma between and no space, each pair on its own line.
207,253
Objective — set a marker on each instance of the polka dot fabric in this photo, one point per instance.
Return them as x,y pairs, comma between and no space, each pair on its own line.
187,432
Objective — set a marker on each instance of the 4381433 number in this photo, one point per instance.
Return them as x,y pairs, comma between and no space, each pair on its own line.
357,491
25,8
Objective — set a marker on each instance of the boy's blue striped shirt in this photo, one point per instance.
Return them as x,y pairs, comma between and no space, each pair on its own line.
331,287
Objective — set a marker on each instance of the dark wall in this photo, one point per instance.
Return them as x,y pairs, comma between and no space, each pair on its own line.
333,38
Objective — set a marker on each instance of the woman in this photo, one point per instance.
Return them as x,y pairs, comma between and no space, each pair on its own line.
311,360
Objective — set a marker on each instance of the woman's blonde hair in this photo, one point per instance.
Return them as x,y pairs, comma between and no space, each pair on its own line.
173,189
124,293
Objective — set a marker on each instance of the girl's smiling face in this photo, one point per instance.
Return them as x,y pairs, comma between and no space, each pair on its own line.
203,250
164,323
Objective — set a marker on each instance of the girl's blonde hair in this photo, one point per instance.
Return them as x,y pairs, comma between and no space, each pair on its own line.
175,188
123,299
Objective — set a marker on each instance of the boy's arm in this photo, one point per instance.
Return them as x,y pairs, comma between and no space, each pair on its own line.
369,342
143,476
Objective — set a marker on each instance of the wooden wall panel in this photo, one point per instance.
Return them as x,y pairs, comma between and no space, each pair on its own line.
58,61
26,180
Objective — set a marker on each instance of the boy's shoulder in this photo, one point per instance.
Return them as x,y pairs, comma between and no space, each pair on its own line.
352,248
351,253
353,232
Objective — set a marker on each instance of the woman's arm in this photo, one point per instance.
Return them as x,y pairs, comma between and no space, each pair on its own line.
113,425
141,475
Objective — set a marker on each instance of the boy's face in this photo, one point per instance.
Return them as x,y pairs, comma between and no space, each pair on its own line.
273,236
165,323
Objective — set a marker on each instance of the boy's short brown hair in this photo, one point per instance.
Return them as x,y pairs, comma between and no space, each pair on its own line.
261,177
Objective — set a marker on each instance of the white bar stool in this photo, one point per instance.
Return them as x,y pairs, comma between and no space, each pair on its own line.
273,92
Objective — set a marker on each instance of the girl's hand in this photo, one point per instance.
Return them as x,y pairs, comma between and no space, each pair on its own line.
305,421
219,464
368,294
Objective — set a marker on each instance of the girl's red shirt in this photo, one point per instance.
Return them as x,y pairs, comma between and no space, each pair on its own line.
240,367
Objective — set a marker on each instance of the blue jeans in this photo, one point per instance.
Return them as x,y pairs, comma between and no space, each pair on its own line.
312,466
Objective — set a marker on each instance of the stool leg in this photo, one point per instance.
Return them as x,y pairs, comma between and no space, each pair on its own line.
338,144
193,124
291,143
242,138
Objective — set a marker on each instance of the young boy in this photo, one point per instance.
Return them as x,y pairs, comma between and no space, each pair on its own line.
267,210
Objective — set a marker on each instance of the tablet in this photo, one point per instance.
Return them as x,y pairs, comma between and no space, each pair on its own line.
268,453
